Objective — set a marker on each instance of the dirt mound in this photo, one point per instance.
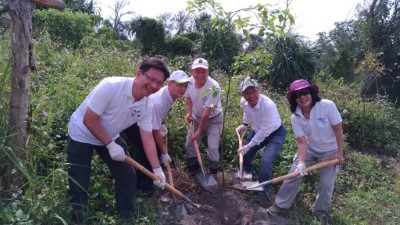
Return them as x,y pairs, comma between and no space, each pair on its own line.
225,206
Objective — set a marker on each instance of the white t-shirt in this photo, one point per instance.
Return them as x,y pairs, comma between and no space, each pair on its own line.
318,129
111,99
201,101
264,118
162,104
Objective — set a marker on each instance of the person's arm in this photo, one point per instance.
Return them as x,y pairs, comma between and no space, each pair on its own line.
301,148
159,139
92,121
203,121
149,147
339,139
189,109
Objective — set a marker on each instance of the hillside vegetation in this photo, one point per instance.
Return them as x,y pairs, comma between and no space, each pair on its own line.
355,65
366,192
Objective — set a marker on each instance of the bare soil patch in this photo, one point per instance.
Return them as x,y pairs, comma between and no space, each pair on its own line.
227,206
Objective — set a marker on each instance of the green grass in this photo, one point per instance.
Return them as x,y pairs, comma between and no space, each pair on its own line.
367,188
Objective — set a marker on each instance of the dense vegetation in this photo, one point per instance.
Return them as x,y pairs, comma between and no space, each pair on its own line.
343,63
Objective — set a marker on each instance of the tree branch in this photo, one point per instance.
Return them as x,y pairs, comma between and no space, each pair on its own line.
55,4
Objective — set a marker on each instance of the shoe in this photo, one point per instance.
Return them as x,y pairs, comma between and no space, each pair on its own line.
213,171
246,176
213,167
193,166
274,210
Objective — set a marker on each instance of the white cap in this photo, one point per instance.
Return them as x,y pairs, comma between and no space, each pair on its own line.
200,63
179,76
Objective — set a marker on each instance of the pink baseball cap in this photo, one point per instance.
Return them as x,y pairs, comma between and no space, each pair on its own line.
298,85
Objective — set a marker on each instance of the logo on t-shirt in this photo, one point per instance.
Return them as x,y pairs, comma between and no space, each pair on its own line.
135,113
322,120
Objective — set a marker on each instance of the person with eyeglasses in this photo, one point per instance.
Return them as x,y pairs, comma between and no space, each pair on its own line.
204,109
113,105
162,100
317,124
267,132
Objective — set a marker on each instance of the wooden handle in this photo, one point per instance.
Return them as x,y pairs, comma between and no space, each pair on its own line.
196,145
240,154
308,169
141,168
171,181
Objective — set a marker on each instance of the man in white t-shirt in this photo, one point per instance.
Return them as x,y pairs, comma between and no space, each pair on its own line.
162,101
267,132
203,107
113,105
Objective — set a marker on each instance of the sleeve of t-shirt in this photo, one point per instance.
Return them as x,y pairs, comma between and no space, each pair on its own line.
157,117
100,97
296,126
333,114
146,121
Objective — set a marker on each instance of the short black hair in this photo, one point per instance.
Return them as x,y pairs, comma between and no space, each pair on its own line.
155,63
315,98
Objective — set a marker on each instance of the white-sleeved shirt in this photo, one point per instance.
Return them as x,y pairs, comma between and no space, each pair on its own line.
201,101
162,104
112,99
318,129
263,118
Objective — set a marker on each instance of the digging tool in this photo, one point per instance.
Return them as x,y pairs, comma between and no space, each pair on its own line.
206,180
296,173
240,154
179,209
141,168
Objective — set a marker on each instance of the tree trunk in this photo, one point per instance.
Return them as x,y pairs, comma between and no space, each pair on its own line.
21,46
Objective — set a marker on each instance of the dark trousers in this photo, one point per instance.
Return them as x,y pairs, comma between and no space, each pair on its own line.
272,145
144,183
79,168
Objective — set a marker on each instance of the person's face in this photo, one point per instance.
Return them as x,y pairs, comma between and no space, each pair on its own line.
177,90
303,98
149,82
200,76
251,95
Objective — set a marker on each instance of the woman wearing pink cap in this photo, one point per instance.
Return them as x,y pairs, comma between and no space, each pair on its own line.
317,125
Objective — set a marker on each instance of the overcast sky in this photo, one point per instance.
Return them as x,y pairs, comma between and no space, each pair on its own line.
312,16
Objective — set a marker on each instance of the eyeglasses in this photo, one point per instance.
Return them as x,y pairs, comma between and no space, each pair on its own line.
300,93
154,80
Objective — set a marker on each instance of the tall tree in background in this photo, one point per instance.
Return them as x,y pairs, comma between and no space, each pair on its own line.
23,62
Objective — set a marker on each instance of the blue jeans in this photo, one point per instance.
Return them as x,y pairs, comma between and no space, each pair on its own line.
272,145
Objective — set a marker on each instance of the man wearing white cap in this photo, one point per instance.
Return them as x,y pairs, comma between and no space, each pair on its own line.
203,107
162,100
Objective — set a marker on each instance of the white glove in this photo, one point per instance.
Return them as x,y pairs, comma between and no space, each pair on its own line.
165,159
117,153
160,174
244,149
300,167
241,129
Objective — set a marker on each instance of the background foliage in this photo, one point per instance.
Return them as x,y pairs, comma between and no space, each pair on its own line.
355,65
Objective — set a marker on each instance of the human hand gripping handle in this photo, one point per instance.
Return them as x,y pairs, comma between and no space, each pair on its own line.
116,151
165,159
244,149
241,129
161,178
300,167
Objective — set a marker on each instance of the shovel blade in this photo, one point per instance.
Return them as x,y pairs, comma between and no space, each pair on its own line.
245,186
208,182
